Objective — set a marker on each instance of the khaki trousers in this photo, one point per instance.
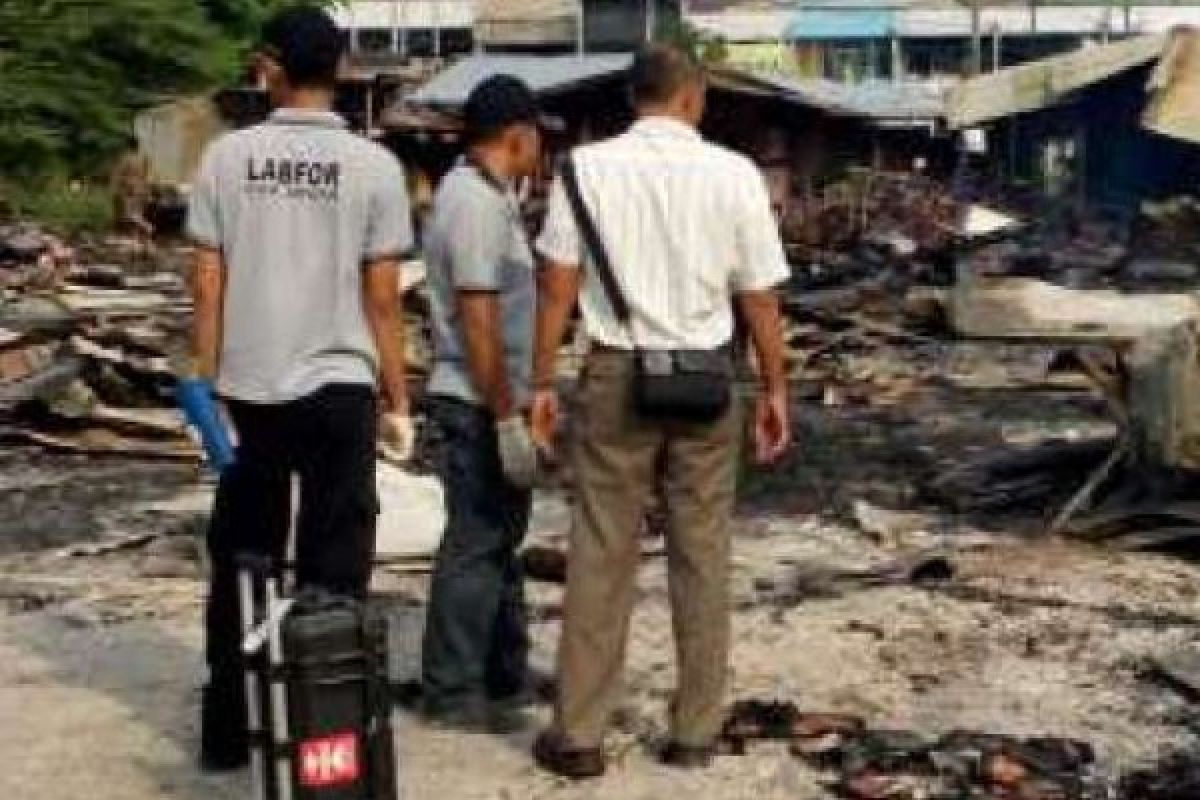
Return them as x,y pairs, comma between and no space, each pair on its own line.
615,459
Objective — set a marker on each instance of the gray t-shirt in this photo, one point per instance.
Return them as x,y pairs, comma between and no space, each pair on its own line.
297,206
476,242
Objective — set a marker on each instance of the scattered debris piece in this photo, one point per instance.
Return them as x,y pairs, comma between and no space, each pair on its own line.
1175,777
1180,670
870,764
117,544
751,720
412,514
545,564
804,582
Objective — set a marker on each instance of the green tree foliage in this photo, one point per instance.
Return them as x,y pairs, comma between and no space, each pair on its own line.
74,72
242,19
710,50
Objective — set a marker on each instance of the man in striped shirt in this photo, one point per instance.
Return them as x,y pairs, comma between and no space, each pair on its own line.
689,231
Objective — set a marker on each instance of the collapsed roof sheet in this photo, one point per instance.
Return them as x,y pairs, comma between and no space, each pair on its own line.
545,75
1041,84
884,102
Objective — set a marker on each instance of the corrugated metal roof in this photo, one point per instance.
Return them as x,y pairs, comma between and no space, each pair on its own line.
884,102
1041,84
544,74
1174,108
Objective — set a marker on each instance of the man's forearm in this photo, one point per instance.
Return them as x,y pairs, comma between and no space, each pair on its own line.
382,307
763,318
208,290
483,342
558,289
388,332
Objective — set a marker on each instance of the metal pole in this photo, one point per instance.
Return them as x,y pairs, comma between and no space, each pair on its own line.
254,720
976,40
437,29
996,48
395,29
897,57
402,35
279,707
580,24
651,20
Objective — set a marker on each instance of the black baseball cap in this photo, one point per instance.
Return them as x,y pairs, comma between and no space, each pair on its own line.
500,101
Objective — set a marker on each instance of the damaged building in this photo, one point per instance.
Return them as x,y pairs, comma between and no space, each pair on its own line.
975,576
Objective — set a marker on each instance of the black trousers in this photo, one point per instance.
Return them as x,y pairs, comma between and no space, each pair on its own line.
476,642
328,440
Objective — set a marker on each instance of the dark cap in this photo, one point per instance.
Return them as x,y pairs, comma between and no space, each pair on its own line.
307,44
498,102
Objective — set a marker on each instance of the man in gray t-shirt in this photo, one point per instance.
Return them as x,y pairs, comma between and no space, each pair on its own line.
300,226
482,288
477,243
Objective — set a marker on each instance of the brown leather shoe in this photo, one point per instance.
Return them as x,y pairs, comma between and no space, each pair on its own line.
553,754
686,756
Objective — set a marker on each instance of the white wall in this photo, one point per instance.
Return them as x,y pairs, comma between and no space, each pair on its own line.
402,14
746,26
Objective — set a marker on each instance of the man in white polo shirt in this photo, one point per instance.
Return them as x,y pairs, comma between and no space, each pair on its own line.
300,226
687,230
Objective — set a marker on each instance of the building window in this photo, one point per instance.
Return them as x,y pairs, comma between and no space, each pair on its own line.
937,57
375,41
422,42
456,41
853,61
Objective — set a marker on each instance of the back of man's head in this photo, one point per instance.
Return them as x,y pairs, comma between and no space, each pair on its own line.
660,73
307,45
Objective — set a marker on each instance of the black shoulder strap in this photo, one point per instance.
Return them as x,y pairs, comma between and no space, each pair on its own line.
594,244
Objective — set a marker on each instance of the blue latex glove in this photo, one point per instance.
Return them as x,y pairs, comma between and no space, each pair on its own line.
198,401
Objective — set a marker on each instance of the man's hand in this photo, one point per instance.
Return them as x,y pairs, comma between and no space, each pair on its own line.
518,456
558,289
772,428
397,436
544,418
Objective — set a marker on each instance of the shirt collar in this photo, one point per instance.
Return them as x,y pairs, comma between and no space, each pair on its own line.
504,187
665,126
304,116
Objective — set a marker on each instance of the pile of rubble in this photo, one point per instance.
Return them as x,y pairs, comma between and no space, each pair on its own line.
873,225
87,334
1157,249
860,763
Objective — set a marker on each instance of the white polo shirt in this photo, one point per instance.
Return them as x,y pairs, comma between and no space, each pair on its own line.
687,224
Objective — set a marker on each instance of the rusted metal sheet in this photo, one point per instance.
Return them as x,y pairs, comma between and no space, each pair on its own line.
1174,108
1042,84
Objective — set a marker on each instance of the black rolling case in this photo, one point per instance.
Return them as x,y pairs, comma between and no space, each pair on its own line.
319,711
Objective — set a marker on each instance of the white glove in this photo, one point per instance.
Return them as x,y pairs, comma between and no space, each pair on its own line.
397,437
518,455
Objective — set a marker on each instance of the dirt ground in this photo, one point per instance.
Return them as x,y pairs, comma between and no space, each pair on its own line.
101,591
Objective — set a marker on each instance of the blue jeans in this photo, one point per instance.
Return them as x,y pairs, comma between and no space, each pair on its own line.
476,642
